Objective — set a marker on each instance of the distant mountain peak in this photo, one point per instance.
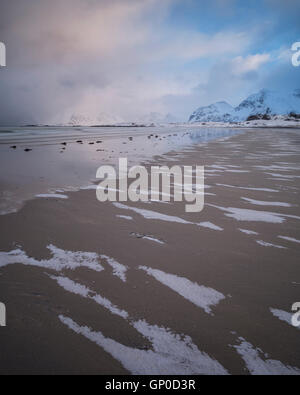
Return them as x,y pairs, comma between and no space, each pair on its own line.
263,103
213,113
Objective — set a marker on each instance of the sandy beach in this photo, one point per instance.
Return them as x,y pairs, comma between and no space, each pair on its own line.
146,288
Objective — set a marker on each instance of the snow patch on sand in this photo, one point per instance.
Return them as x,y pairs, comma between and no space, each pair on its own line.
289,239
153,239
89,188
127,217
85,292
218,167
265,244
152,214
283,316
59,261
170,354
248,188
279,179
276,175
277,167
241,214
248,232
210,225
119,270
163,217
199,295
238,171
258,366
147,237
262,203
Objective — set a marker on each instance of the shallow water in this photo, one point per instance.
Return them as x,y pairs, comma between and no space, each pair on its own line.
58,161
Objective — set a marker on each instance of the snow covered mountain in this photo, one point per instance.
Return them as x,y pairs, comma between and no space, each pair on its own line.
263,104
218,112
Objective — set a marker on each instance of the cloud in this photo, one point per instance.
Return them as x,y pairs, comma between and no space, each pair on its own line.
62,52
94,56
190,45
242,65
122,57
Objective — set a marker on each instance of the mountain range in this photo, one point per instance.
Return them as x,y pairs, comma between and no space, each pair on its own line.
262,105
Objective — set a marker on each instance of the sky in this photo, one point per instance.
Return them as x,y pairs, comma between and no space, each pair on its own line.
126,60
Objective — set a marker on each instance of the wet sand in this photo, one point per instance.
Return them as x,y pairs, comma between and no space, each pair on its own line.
151,283
42,160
